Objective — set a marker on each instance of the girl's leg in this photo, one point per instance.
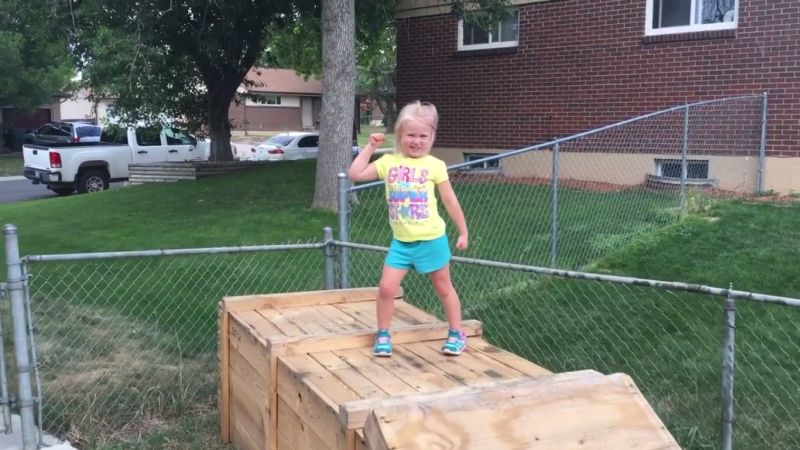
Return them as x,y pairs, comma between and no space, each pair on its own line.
444,288
387,289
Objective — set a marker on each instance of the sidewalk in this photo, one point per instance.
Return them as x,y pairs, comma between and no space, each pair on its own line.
17,178
13,441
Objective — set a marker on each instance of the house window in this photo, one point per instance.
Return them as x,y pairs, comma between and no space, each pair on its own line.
491,165
686,16
671,168
504,34
272,99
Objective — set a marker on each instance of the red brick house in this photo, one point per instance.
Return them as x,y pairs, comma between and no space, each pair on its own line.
286,101
557,67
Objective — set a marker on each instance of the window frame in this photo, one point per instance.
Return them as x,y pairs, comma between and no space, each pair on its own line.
486,167
650,31
490,45
703,164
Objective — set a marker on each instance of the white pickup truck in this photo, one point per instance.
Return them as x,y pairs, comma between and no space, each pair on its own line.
90,168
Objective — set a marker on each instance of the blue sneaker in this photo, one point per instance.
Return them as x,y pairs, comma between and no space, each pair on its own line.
455,344
383,344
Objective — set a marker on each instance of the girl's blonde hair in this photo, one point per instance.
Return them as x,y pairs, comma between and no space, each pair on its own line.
420,111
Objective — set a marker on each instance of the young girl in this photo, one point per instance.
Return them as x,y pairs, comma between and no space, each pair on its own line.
419,240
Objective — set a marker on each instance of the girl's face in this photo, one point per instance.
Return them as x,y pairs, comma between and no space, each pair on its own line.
416,138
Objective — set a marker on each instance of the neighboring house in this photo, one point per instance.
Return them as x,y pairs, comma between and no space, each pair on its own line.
557,67
286,101
74,107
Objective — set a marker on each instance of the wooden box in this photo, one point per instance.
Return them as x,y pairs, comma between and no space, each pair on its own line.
297,373
321,342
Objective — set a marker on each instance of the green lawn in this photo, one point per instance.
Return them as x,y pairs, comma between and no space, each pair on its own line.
10,164
363,136
670,343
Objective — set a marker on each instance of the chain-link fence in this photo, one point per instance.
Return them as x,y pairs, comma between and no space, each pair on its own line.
127,343
669,337
567,202
570,202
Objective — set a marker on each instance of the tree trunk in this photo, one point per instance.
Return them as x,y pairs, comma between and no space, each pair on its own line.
219,126
338,92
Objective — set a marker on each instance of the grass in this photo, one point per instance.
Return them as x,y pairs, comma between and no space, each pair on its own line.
10,164
140,333
363,136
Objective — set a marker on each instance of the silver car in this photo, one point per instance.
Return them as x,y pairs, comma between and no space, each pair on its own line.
287,146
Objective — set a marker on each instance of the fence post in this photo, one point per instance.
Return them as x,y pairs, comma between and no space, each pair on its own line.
554,210
727,371
344,231
5,399
762,153
329,258
16,288
684,154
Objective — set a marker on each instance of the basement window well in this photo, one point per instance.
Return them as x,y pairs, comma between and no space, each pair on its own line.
668,173
671,168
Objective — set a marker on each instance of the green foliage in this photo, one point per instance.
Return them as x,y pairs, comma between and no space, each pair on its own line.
35,66
178,59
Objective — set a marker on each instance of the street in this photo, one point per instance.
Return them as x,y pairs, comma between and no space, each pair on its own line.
16,190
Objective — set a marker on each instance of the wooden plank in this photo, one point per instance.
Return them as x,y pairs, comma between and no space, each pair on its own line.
451,366
414,370
415,315
606,412
280,320
250,388
508,358
250,416
312,405
372,369
307,318
363,313
224,381
477,362
297,434
309,369
283,442
295,299
343,341
360,442
355,412
357,382
259,324
248,343
338,321
245,433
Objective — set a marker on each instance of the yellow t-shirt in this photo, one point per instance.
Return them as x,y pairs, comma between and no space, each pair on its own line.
411,195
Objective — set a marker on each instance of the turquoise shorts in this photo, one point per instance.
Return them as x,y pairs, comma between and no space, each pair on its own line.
422,256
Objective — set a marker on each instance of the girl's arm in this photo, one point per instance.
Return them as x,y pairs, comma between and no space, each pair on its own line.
361,169
454,211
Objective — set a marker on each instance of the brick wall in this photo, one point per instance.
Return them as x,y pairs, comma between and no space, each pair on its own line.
580,65
265,118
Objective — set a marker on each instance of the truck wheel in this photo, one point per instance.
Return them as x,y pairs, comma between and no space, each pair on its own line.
63,190
92,180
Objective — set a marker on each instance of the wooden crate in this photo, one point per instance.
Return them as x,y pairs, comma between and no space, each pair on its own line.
255,330
297,373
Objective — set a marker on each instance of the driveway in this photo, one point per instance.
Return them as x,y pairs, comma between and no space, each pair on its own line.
16,189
